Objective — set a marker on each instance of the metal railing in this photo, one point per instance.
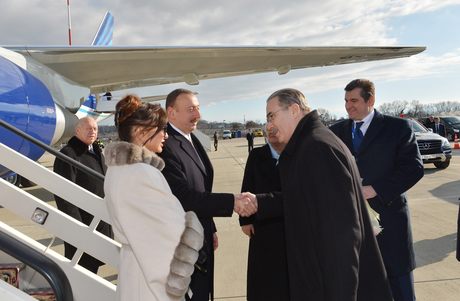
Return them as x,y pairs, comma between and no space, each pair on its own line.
51,271
86,285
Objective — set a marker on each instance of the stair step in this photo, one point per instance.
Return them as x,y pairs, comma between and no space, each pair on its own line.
43,294
9,272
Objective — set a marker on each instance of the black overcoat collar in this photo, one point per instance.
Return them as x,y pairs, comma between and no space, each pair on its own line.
81,148
304,127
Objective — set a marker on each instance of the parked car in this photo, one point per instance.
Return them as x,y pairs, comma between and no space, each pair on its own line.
452,124
258,133
227,134
433,148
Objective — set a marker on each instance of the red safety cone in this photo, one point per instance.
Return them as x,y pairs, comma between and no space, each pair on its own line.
456,146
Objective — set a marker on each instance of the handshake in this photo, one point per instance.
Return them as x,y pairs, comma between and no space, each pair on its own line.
245,204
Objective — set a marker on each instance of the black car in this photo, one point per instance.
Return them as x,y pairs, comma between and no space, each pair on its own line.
433,148
452,124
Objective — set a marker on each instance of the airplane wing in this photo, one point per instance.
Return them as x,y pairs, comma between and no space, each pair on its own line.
108,68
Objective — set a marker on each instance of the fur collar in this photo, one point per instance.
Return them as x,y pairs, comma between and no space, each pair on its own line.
121,153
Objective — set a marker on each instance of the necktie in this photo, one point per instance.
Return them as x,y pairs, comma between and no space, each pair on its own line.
437,128
358,135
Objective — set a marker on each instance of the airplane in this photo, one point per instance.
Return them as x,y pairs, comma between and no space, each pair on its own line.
42,87
44,90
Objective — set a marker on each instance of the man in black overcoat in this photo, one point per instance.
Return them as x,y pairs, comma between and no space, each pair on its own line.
332,252
190,175
82,148
389,163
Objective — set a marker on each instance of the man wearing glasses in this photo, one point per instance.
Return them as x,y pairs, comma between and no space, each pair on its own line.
332,253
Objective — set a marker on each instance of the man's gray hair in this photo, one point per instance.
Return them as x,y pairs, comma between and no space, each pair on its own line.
288,97
79,122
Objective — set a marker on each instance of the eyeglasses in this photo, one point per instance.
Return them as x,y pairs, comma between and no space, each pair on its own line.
165,128
272,115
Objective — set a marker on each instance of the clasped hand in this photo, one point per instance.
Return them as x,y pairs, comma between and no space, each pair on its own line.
245,204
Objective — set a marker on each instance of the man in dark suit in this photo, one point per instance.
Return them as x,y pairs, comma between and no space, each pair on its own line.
190,175
250,138
389,163
332,252
439,128
267,242
83,148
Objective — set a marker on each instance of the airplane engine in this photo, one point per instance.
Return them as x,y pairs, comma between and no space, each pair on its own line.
26,104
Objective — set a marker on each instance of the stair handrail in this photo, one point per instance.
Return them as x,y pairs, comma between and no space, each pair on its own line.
50,270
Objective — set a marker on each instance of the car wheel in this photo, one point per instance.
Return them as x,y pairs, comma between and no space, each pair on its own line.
442,165
450,136
15,180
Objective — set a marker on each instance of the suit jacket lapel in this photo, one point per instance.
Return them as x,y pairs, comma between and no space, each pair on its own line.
204,163
374,128
187,147
345,135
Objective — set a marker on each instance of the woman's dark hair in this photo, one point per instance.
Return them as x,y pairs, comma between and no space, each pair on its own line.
131,113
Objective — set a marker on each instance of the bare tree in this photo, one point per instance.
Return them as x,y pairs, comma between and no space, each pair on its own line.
251,124
398,107
416,108
385,109
325,116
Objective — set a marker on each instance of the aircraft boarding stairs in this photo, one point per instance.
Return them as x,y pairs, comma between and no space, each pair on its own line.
26,264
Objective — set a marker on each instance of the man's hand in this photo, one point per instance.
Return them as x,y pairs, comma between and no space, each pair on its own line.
245,204
369,192
248,230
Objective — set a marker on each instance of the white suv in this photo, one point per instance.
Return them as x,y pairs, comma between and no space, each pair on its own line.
227,134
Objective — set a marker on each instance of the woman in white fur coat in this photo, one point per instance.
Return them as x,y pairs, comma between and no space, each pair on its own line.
160,242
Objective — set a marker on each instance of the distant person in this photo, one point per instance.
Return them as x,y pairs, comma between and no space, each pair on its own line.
110,140
98,142
267,276
108,96
160,242
439,128
250,138
389,163
332,252
216,140
429,122
190,175
82,148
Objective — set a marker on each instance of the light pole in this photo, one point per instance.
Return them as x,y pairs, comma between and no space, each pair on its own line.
223,125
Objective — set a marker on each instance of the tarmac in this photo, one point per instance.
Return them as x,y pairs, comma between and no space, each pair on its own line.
433,204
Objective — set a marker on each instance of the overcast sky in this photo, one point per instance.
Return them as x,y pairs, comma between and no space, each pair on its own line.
428,77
